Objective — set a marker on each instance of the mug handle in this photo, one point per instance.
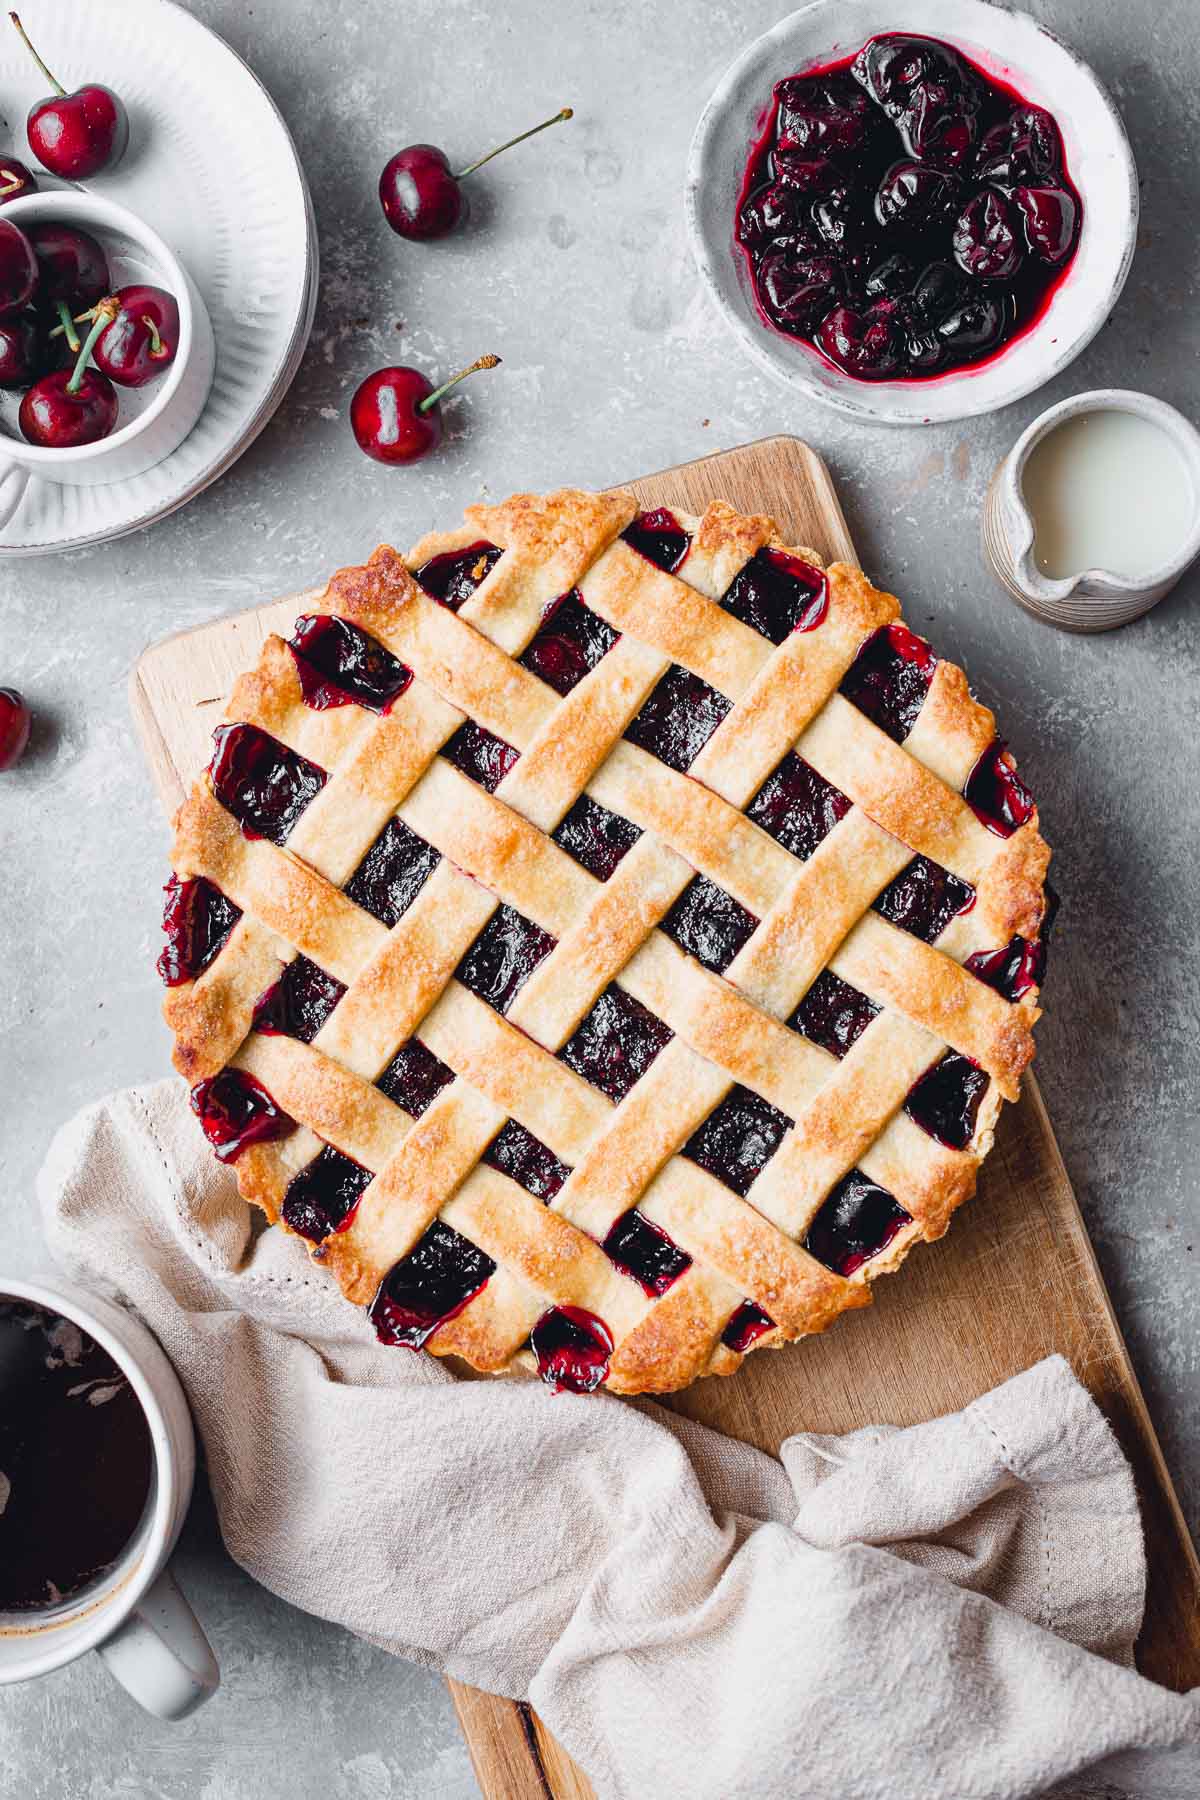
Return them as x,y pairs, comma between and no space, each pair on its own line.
9,501
160,1655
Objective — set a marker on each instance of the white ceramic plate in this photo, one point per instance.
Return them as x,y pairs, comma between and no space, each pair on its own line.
212,167
1029,58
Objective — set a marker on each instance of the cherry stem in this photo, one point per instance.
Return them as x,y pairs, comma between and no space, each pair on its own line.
79,319
67,326
106,312
566,113
157,348
57,86
11,183
484,362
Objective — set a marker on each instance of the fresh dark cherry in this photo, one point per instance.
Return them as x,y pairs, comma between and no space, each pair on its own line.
614,1045
595,837
141,342
236,1111
526,1160
571,1347
833,1014
996,794
797,806
856,1222
340,665
923,899
570,642
709,923
414,1078
197,919
945,1101
15,180
678,718
454,576
433,1283
298,1004
642,1249
72,266
18,269
503,957
659,537
392,873
75,135
22,350
15,722
64,410
420,195
323,1197
738,1139
480,754
747,1325
264,784
778,593
889,679
395,415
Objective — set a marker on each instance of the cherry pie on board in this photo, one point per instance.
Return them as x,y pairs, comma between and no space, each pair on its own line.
606,937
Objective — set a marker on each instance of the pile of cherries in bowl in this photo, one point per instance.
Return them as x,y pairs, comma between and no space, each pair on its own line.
68,341
904,212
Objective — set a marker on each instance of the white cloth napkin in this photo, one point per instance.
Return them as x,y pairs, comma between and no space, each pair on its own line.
940,1613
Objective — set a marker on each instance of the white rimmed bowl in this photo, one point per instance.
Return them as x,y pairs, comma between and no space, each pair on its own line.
1008,44
154,420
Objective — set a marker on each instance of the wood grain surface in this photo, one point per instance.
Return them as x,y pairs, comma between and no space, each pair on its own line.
1015,1279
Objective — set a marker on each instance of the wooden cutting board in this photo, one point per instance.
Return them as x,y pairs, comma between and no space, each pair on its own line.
1015,1279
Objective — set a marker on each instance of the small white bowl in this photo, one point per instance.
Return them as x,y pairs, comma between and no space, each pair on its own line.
1021,52
156,418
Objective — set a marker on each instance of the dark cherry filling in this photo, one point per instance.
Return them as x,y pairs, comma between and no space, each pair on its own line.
414,1078
261,782
298,1004
889,679
503,957
709,923
996,794
572,1348
833,1014
526,1160
643,1250
797,806
596,837
339,665
924,898
904,212
614,1045
738,1139
569,643
453,577
433,1283
856,1222
678,718
485,758
197,918
323,1196
777,594
748,1323
1021,965
945,1101
392,873
660,538
236,1111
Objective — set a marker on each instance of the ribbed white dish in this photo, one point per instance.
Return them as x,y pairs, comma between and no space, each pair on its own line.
212,167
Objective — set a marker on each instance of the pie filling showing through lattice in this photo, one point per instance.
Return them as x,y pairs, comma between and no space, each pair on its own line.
607,937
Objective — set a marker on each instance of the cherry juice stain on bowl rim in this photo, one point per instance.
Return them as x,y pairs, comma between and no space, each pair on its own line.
999,98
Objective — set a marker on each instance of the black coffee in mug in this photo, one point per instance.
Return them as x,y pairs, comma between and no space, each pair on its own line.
75,1459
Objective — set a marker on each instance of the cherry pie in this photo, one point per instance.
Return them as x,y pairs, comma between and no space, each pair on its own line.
606,937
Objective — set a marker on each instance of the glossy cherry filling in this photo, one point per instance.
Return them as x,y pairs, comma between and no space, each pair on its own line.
571,1347
738,1139
889,679
454,576
236,1111
323,1196
833,1014
526,1160
678,719
642,1249
569,643
660,538
614,1044
797,806
197,918
340,665
503,957
905,212
856,1222
709,923
414,1078
438,1277
1020,966
392,873
996,794
945,1101
748,1324
924,898
261,782
298,1004
595,837
778,593
480,754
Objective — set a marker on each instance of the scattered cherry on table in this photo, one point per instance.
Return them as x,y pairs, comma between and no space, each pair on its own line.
72,406
75,135
421,196
141,342
18,269
15,720
15,180
395,413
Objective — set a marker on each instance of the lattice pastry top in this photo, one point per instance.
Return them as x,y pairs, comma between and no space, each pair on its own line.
606,937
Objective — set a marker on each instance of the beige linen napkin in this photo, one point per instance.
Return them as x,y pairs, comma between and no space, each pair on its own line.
940,1613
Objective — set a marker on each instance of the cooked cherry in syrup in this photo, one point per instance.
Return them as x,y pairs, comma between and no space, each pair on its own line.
572,1348
996,794
595,837
197,918
709,923
480,754
526,1160
778,593
569,643
889,679
454,576
833,1014
236,1111
433,1283
856,1222
748,1323
924,898
298,1004
323,1196
797,806
414,1078
738,1139
642,1249
660,538
614,1044
678,718
392,873
503,957
1020,965
340,665
904,212
261,782
945,1101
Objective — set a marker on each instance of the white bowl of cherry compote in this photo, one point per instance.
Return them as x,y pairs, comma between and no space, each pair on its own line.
914,213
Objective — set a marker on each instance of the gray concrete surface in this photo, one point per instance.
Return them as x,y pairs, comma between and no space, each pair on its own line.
577,272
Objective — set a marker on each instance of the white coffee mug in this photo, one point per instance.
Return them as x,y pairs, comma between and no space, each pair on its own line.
136,1616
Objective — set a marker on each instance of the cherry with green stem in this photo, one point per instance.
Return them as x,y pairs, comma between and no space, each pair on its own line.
75,406
75,135
421,196
395,414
